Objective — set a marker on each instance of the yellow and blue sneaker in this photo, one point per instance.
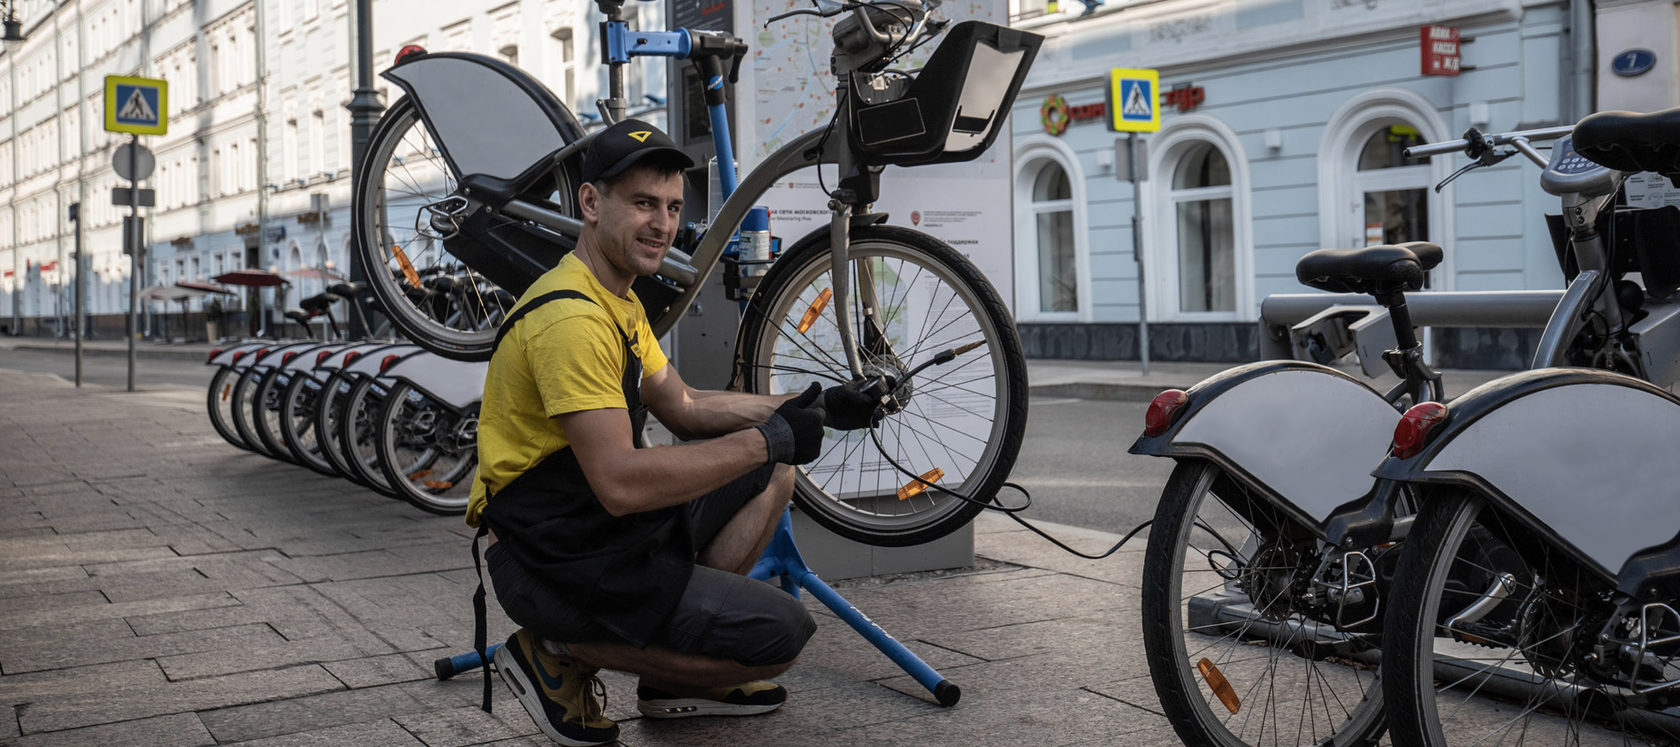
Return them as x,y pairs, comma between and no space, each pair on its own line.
562,694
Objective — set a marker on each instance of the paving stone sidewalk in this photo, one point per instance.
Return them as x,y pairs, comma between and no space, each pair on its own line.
158,586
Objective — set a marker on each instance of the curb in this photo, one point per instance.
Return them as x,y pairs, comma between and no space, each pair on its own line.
140,351
1101,390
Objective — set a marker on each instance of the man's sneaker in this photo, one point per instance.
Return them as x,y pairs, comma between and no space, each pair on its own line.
747,699
559,692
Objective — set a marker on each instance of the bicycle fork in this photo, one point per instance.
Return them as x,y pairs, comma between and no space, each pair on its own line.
874,337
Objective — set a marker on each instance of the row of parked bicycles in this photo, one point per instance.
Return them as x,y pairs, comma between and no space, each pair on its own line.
386,416
1328,561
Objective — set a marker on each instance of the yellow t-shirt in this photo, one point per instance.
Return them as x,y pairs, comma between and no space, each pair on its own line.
564,356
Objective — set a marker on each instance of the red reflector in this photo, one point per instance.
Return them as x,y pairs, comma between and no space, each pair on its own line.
287,358
213,353
389,359
350,356
1161,411
322,356
408,51
1412,432
238,355
260,353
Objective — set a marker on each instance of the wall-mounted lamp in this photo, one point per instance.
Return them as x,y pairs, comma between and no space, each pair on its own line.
1274,139
13,37
1479,116
1105,160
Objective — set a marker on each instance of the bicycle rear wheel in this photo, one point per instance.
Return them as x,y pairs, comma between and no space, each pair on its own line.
1233,659
356,434
329,424
427,450
960,423
297,423
244,402
1465,664
408,239
219,401
265,412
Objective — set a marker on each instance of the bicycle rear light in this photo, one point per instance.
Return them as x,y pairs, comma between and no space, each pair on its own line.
1161,410
1412,432
260,353
238,355
322,356
408,51
387,361
213,353
287,358
917,487
350,356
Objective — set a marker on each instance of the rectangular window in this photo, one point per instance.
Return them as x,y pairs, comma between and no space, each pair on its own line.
317,143
1058,276
1207,278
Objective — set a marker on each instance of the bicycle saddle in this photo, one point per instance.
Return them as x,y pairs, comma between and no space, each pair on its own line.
317,303
1383,268
299,315
348,290
1626,141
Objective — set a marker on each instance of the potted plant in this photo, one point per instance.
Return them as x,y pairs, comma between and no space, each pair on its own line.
213,320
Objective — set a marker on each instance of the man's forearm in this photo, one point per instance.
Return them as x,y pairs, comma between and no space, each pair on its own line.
708,414
651,479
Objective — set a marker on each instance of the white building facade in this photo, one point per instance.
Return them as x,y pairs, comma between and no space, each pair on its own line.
255,169
1282,134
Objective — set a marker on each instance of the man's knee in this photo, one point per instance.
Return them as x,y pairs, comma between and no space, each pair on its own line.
783,631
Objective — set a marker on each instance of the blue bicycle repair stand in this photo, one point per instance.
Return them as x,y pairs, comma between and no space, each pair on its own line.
781,558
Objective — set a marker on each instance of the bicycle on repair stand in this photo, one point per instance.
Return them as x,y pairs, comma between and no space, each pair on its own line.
492,201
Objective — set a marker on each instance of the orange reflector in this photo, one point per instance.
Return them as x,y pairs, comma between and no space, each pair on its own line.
420,474
435,485
915,487
1221,689
816,310
407,266
226,389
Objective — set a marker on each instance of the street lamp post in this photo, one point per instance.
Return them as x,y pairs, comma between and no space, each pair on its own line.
10,41
364,109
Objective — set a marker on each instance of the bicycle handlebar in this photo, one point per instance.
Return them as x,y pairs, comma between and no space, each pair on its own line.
1519,140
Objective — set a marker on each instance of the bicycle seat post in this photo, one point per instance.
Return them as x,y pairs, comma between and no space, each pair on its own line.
613,107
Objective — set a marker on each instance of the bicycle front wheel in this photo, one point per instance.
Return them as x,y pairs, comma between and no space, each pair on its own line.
297,423
1233,660
404,230
428,451
957,425
246,407
357,434
1493,640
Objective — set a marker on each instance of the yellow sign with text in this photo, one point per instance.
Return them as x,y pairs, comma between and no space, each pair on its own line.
138,106
1134,100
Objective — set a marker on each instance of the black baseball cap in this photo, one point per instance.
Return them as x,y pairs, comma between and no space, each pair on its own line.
624,145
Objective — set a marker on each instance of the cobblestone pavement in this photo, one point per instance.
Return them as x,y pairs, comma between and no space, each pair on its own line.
158,586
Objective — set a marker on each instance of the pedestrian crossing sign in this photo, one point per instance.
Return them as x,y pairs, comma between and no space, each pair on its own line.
1134,100
138,106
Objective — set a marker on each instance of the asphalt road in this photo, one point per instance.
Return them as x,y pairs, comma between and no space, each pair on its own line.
1073,460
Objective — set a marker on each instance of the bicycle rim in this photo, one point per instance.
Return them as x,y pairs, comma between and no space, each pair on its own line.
357,433
244,417
265,410
297,421
961,424
219,401
329,424
1520,674
1233,662
429,452
405,245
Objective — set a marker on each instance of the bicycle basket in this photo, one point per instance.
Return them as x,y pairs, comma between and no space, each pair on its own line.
956,106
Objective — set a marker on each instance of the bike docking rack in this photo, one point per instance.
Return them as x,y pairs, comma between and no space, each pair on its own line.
781,559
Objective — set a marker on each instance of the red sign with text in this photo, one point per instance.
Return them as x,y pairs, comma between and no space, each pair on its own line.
1440,50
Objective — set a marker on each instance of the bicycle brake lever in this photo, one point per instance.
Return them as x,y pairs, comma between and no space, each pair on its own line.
1486,158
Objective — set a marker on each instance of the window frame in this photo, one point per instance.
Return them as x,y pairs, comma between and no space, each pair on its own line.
1169,150
1031,155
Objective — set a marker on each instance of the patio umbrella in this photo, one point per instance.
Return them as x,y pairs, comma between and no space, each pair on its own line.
203,288
251,277
312,273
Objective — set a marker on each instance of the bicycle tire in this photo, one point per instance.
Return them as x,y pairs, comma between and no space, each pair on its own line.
428,451
244,397
1456,534
404,170
218,400
297,423
265,412
356,435
1192,512
329,424
984,392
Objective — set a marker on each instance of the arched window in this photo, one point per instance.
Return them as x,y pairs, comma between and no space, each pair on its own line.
1051,260
1199,265
1395,191
1052,208
1201,199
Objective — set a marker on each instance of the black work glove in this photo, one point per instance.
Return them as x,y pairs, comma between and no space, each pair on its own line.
793,434
856,404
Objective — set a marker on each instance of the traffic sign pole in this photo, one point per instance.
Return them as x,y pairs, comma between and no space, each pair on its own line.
76,217
1134,106
131,241
1137,249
